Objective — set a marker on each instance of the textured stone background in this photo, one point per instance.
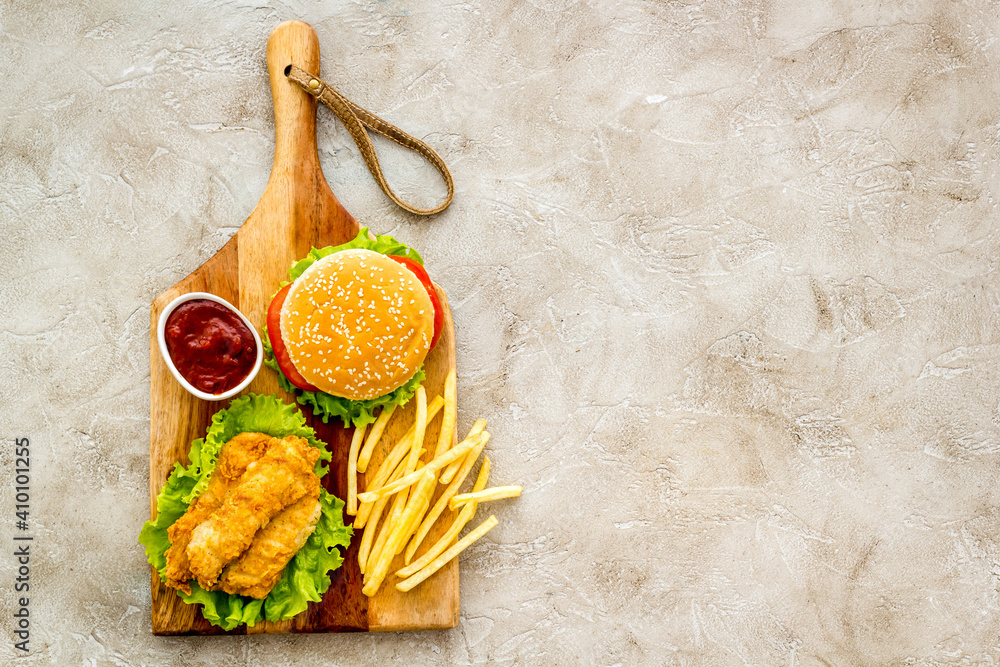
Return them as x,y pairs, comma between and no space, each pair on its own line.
725,284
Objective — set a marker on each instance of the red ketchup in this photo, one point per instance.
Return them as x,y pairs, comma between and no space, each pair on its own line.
210,345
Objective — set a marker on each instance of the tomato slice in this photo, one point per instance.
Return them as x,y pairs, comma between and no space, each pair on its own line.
278,345
425,280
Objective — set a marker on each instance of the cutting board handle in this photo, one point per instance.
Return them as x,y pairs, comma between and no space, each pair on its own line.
293,42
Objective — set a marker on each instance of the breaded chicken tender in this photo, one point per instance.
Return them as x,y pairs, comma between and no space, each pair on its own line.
259,568
234,457
282,476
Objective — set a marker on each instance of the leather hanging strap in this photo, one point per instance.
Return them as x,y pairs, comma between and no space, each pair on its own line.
356,119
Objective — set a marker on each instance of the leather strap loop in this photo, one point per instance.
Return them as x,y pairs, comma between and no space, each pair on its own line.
356,119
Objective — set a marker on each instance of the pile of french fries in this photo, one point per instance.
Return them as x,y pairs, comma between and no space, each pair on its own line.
395,510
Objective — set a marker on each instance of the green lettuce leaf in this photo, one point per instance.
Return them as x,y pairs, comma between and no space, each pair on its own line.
225,610
306,577
383,243
324,406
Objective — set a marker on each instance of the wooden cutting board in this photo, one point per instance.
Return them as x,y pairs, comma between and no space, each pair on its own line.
296,212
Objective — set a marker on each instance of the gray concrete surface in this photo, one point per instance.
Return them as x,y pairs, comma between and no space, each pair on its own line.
724,277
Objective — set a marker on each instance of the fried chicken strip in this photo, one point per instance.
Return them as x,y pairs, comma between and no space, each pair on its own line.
234,457
279,478
259,568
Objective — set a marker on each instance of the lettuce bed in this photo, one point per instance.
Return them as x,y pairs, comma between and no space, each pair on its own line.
351,413
306,577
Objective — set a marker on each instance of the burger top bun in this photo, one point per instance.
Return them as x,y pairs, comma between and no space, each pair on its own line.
357,324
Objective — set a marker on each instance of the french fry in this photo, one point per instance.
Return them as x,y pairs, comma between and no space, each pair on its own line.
419,429
352,470
446,541
372,521
444,558
442,502
436,464
456,527
484,475
373,437
369,535
450,414
416,507
450,471
392,522
408,529
402,446
496,493
390,464
398,451
417,502
391,519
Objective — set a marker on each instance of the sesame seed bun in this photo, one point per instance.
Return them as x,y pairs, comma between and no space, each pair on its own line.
357,324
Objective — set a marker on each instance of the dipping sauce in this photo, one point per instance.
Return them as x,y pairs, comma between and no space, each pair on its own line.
210,345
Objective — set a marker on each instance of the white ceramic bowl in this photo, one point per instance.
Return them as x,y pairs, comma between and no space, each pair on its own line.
161,326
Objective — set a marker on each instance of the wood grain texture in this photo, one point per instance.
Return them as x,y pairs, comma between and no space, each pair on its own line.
296,212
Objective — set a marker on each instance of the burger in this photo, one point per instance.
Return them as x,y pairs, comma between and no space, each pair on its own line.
349,334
